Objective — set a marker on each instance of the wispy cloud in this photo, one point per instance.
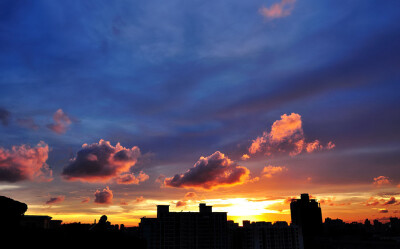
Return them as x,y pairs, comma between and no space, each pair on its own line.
278,10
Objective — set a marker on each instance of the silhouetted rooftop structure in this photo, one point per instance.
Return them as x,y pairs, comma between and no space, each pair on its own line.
203,229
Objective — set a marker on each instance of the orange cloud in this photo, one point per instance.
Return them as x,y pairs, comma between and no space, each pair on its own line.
54,200
190,196
245,157
289,199
85,200
330,201
181,204
102,162
278,10
61,122
103,197
25,163
140,199
286,135
381,180
216,170
269,171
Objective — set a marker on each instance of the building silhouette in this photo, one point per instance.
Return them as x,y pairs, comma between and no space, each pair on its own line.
306,213
195,230
265,235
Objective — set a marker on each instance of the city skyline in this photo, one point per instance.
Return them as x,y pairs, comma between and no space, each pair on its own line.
112,108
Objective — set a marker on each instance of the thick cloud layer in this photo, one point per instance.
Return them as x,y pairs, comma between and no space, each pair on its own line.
286,136
104,196
210,172
102,162
25,163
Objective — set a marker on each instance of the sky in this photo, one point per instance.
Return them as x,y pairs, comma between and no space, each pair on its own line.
114,107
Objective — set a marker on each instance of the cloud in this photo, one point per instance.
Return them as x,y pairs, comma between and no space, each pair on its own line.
102,162
278,10
54,200
289,199
286,135
245,157
103,197
381,180
216,170
25,163
4,116
140,199
330,201
372,201
190,196
391,201
181,204
86,200
27,123
61,122
269,171
383,211
130,178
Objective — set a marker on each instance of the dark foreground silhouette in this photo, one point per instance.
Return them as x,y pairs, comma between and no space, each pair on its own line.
198,230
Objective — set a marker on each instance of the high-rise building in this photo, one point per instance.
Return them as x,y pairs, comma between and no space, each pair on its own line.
172,230
306,213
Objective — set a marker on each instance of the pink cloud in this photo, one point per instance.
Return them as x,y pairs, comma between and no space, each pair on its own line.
286,135
381,180
130,178
103,197
269,171
54,200
278,10
102,162
61,122
25,163
216,170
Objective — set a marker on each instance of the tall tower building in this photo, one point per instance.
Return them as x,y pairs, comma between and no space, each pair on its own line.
306,213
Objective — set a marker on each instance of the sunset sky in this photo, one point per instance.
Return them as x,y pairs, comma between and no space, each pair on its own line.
114,107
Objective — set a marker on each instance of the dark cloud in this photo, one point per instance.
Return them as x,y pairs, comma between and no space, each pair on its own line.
216,170
102,162
104,196
54,200
25,163
27,123
4,116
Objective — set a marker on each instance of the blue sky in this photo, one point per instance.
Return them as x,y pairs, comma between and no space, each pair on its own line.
183,79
